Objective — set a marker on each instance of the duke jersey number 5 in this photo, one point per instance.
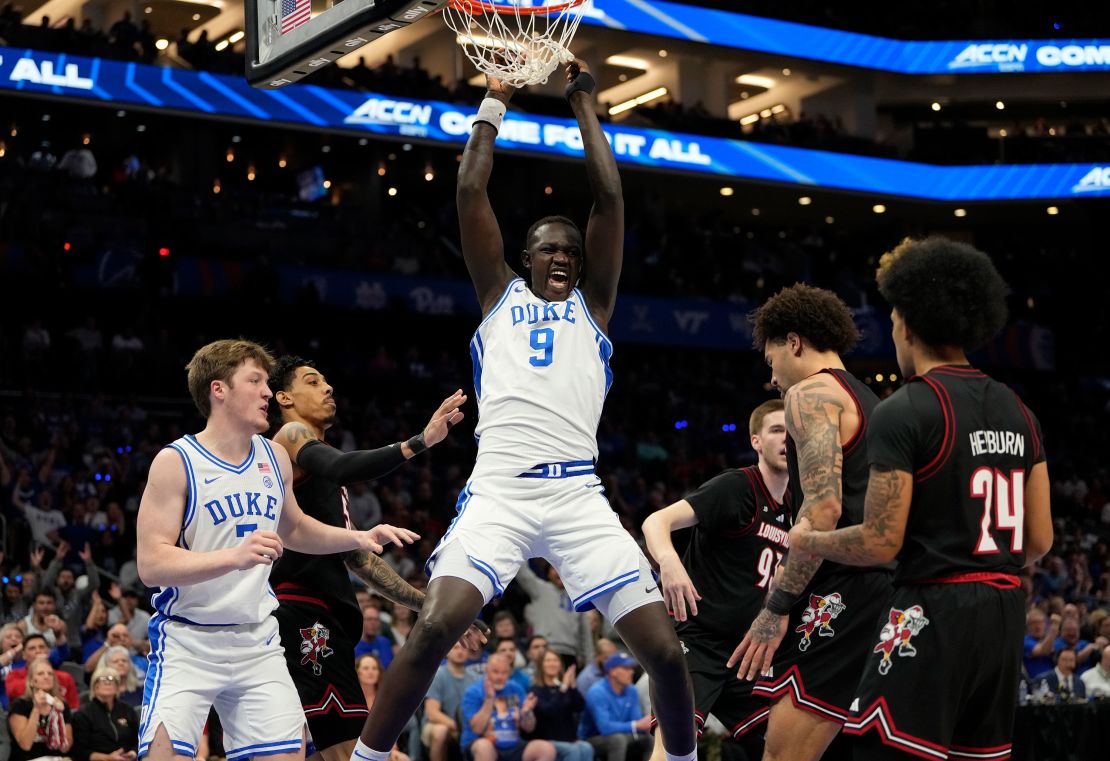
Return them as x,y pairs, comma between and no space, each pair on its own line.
1003,506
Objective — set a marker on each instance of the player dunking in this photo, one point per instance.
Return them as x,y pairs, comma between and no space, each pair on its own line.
318,616
541,374
959,494
824,610
216,513
740,535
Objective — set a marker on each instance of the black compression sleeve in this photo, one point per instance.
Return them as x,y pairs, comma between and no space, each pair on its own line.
319,459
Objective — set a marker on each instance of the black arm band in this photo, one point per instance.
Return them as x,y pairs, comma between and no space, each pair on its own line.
417,443
780,602
327,462
584,82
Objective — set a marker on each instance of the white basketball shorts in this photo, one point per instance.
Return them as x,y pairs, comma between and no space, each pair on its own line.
502,521
238,669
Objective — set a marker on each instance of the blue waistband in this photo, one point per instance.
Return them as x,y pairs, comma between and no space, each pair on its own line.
560,469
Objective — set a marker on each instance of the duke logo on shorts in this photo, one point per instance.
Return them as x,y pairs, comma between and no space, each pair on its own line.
215,642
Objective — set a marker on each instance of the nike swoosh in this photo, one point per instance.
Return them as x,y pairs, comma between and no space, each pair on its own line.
518,290
652,588
362,756
212,480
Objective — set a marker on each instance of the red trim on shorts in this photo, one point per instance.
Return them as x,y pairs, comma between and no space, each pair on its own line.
997,753
791,683
857,437
304,598
877,716
750,723
332,702
997,580
948,443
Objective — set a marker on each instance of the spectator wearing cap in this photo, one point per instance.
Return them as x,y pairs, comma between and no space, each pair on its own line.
128,612
613,722
595,670
105,728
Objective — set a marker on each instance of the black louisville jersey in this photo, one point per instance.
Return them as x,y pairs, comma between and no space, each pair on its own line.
740,537
856,468
970,443
323,577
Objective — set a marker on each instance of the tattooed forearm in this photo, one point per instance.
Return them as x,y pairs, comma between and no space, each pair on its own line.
879,537
813,422
381,578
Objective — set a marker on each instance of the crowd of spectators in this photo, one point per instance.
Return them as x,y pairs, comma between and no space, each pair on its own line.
92,387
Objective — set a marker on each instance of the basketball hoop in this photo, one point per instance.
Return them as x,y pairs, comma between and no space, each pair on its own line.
519,42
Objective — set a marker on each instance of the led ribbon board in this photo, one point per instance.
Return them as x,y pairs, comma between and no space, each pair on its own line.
120,84
738,30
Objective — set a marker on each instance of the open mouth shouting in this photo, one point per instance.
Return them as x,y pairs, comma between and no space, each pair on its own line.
558,279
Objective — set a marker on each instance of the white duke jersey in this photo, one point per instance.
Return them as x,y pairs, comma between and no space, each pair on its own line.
541,375
225,503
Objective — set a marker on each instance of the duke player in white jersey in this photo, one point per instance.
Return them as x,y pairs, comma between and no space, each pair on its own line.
541,374
217,511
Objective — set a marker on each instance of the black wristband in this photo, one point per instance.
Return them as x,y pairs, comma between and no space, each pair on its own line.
780,602
417,443
583,82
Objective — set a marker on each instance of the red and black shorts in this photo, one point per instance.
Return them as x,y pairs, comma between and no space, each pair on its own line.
321,659
942,671
829,633
717,691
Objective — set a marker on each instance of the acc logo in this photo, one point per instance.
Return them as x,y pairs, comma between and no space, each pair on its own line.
1005,56
314,646
903,625
384,111
1098,179
27,70
817,616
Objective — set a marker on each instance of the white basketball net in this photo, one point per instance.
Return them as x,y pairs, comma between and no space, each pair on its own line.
519,48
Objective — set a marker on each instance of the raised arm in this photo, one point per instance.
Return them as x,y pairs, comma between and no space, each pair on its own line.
605,230
482,245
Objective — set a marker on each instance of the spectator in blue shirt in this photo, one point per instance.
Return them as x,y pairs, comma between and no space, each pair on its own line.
373,642
595,669
442,703
1040,642
521,677
495,711
613,722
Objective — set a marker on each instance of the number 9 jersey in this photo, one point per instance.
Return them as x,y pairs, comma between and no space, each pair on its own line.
541,375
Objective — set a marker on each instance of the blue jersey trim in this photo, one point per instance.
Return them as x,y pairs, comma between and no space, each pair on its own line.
156,658
191,487
500,301
460,508
239,469
274,462
489,573
264,749
582,602
477,353
604,344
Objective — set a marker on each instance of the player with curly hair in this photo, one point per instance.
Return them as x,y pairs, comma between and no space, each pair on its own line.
823,610
959,495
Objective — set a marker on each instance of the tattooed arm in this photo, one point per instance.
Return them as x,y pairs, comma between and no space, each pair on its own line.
813,415
381,578
879,538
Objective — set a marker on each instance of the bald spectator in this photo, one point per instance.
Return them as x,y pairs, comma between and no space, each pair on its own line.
1040,641
495,713
128,612
118,636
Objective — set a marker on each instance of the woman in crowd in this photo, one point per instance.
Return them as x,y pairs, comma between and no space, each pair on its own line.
39,722
131,689
104,727
558,705
369,670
